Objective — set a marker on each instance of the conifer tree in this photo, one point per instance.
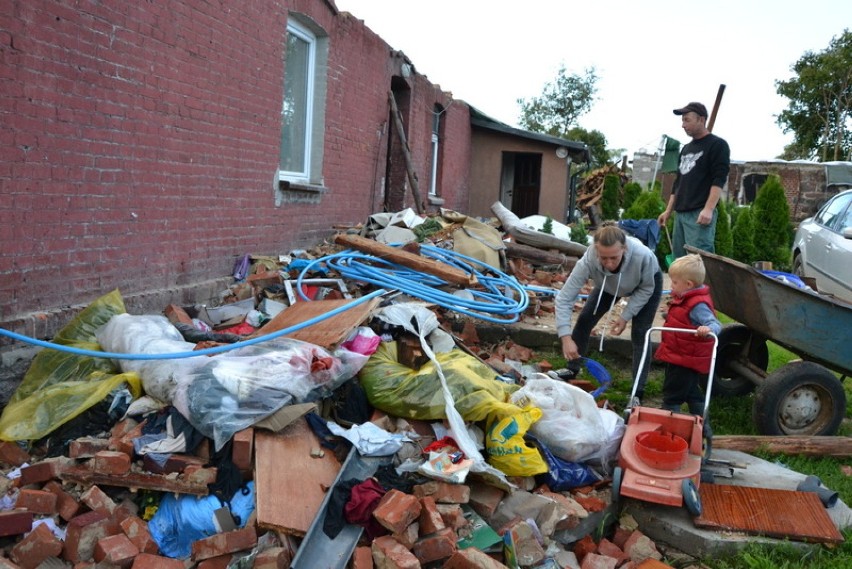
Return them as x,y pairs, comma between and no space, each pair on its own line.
771,218
610,196
724,240
743,237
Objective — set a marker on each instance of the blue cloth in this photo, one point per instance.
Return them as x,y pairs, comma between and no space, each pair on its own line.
645,230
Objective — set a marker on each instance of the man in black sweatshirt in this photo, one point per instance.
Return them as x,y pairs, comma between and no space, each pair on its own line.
702,173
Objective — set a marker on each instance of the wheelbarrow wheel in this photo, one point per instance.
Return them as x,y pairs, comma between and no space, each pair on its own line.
800,398
691,499
737,343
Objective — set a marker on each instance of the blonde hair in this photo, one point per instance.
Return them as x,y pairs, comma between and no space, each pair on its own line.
689,267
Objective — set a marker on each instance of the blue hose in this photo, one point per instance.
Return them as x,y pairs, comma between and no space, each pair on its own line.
204,352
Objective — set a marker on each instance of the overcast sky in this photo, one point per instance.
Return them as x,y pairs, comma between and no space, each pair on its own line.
650,56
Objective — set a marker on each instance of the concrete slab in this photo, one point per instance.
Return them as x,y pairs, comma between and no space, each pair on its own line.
674,527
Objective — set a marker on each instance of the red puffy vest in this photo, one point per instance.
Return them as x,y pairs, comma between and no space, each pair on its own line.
680,348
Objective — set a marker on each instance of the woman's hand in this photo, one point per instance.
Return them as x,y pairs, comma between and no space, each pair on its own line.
569,348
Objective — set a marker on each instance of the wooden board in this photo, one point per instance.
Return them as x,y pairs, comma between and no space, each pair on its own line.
783,514
289,482
327,333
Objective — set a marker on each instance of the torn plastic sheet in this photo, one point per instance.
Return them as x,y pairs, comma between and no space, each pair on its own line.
369,439
422,322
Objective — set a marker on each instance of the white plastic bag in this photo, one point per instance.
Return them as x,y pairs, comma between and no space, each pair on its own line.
571,426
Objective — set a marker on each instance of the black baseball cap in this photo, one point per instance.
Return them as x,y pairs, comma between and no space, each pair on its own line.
693,107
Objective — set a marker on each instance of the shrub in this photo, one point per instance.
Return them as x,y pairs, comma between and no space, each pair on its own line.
610,196
724,239
578,233
772,231
632,190
648,205
743,237
547,227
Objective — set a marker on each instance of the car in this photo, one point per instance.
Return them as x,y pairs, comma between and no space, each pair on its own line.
822,247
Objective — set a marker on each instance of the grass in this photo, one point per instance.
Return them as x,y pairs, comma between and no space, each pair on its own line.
733,416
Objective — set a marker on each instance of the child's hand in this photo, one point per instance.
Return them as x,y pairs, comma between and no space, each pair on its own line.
703,331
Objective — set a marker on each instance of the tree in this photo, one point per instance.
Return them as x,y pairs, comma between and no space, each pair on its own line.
819,113
743,237
724,243
772,231
561,103
596,141
611,196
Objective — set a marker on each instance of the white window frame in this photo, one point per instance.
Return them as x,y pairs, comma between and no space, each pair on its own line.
436,127
304,174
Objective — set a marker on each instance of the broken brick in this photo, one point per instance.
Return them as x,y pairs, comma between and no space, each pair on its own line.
272,558
396,510
115,550
640,547
87,447
174,463
137,532
222,543
6,564
96,499
453,516
177,315
608,548
15,522
595,561
430,519
37,546
111,462
218,562
83,533
66,506
389,553
408,537
440,545
12,454
584,546
37,501
40,472
472,558
443,492
362,558
242,449
484,499
148,561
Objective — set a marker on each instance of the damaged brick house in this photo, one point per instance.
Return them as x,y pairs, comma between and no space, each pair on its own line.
142,147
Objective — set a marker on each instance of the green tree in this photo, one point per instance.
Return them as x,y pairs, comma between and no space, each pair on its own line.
649,205
724,240
610,196
819,112
578,232
596,141
743,237
561,103
772,232
547,226
632,190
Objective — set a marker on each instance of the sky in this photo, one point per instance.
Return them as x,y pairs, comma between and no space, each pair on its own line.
650,56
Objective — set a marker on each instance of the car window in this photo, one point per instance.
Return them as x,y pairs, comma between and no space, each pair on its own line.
845,220
829,214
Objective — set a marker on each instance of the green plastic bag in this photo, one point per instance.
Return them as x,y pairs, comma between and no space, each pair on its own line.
416,394
60,386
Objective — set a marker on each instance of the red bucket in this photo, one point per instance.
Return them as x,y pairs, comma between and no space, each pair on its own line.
662,450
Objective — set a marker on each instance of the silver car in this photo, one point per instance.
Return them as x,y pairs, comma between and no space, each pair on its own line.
822,248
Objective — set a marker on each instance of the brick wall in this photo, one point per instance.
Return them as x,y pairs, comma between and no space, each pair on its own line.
139,146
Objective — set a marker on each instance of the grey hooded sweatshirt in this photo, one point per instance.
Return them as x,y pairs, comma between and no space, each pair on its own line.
635,279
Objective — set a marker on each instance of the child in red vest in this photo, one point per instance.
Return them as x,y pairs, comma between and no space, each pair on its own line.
687,356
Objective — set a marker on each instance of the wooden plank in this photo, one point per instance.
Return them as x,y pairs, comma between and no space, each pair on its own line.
327,333
290,483
840,447
447,272
783,514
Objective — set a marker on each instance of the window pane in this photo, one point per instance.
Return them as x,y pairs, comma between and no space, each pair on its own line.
296,105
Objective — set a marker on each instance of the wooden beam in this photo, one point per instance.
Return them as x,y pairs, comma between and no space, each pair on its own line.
839,447
409,164
539,256
183,484
406,259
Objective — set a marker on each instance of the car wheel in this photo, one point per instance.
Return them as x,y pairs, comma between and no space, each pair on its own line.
798,266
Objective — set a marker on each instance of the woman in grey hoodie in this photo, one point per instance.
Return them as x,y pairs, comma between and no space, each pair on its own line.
619,266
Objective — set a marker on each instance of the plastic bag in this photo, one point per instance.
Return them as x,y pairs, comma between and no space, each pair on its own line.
563,475
234,390
571,425
59,386
416,394
506,448
181,520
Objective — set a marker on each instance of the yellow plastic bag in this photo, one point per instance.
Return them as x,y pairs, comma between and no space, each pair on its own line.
505,445
60,386
416,394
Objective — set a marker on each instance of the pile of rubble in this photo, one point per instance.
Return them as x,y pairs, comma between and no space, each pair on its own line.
356,441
